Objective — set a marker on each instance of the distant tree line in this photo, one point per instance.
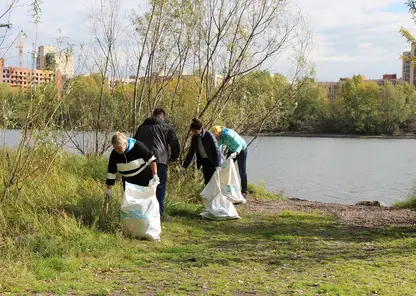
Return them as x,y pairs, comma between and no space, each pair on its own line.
361,107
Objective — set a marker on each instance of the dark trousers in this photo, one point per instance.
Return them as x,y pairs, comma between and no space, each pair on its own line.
162,172
242,169
208,169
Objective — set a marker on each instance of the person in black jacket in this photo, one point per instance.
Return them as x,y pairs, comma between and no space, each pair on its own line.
158,136
133,161
208,155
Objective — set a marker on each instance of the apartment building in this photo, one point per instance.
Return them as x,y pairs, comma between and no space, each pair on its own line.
50,59
406,66
333,88
23,77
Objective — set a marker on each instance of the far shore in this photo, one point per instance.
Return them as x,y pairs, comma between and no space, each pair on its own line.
305,135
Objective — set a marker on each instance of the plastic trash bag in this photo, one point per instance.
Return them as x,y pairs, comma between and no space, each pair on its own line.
230,182
140,217
217,205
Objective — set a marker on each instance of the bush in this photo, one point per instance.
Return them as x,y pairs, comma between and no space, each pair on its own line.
410,203
259,191
70,196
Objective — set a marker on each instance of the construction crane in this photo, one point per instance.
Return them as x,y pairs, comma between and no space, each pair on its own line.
20,47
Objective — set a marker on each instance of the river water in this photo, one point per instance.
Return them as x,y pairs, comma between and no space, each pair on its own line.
340,170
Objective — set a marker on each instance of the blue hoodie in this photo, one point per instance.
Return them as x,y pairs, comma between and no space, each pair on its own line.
130,144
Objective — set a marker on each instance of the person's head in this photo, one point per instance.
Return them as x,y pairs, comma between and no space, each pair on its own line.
217,130
159,113
196,126
119,141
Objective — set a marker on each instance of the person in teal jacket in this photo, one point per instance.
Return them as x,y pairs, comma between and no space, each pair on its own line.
236,148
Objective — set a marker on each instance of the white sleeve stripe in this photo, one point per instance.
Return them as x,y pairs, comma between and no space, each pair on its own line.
132,165
135,173
153,158
111,176
141,169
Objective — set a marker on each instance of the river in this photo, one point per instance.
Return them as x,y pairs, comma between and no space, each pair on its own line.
340,170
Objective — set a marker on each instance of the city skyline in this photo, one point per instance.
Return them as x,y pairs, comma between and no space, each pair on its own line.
361,37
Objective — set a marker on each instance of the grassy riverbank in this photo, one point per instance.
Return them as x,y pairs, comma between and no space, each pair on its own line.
410,203
49,244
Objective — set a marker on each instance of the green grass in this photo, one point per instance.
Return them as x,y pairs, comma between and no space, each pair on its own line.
290,253
49,243
259,191
410,203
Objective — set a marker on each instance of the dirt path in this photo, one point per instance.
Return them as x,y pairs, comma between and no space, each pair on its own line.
352,215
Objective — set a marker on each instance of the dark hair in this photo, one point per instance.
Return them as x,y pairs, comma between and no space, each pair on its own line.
158,111
196,124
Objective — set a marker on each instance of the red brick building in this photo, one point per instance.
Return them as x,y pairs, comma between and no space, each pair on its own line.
22,77
389,76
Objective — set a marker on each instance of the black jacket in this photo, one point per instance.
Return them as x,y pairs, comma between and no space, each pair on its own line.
129,163
157,136
211,148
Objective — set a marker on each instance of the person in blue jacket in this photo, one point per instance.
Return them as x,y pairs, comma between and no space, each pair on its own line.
208,155
236,148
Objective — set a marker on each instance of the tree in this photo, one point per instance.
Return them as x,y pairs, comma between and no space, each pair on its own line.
361,102
106,28
95,93
307,116
392,109
411,4
211,38
5,21
38,144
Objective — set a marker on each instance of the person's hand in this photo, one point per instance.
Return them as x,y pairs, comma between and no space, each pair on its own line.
233,155
107,193
154,181
218,168
183,171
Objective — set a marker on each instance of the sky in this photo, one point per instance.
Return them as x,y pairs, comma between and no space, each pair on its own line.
349,37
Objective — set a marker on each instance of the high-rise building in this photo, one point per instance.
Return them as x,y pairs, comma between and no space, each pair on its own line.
406,65
49,59
412,66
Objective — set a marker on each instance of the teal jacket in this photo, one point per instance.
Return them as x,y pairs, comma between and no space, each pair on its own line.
233,141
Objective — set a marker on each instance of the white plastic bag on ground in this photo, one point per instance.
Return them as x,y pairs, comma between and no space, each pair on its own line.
230,182
217,205
140,217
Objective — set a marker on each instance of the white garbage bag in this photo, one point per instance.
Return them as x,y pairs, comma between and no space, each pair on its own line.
230,182
140,217
217,205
